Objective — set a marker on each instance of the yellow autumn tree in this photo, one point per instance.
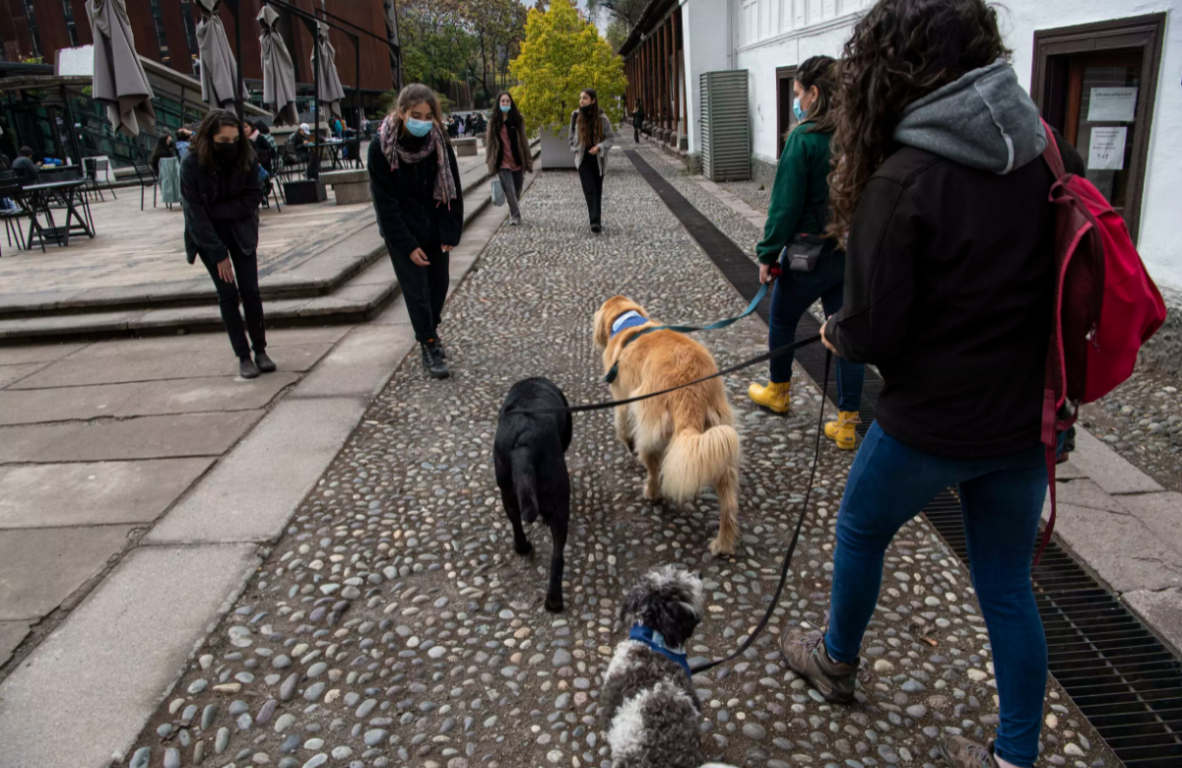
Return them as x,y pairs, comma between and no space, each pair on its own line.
563,54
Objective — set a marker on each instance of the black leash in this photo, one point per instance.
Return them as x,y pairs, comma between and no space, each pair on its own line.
767,617
778,351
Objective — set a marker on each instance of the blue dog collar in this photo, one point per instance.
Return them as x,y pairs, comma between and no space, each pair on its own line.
656,641
629,319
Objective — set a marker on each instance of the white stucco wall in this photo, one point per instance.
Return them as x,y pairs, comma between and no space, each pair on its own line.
779,33
705,29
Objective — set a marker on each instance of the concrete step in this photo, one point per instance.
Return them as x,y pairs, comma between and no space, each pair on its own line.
349,281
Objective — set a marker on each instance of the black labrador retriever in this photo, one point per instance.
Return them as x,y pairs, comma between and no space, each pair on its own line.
529,458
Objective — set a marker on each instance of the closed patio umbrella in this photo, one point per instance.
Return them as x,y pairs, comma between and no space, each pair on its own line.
331,92
218,72
119,79
279,88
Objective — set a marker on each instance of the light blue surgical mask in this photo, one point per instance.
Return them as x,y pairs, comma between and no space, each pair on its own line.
419,128
800,112
506,109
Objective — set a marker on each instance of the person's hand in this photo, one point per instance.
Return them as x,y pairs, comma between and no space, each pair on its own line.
594,150
765,274
226,270
828,345
420,258
446,248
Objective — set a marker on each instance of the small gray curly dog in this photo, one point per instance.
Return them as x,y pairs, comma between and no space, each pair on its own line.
650,706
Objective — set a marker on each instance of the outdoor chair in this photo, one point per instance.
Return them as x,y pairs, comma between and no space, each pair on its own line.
147,178
93,168
8,177
353,153
13,217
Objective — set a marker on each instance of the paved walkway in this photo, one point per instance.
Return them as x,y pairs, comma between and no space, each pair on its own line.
389,623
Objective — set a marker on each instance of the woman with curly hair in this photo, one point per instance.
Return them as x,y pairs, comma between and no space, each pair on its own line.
942,193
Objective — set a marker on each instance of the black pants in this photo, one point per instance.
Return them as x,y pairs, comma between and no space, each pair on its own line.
592,181
636,129
245,288
424,289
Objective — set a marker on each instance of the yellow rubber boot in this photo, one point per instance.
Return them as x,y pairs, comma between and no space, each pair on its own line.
843,431
774,396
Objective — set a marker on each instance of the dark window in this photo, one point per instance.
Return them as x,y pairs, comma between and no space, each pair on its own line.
161,37
69,12
785,117
1096,84
33,33
190,28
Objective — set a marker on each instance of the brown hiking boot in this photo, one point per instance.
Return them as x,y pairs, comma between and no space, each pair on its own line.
805,654
959,752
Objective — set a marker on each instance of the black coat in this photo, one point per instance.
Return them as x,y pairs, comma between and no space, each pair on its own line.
219,201
948,291
408,214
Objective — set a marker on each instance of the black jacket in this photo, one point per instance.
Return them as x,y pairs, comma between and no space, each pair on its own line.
948,291
408,214
226,201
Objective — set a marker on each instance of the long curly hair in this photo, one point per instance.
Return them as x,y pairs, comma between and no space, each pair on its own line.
900,51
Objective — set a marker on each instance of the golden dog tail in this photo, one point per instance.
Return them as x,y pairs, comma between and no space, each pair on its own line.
697,458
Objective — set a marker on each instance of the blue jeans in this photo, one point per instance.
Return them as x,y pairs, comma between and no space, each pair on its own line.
792,295
1001,501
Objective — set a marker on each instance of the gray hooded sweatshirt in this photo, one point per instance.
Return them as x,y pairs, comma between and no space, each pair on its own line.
983,120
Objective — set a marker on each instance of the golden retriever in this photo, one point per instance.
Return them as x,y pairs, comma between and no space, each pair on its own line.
685,439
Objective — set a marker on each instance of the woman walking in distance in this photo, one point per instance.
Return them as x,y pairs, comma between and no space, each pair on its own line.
508,152
590,139
800,205
416,193
955,310
220,196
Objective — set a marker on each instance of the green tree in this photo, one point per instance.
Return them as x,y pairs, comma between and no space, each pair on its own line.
563,54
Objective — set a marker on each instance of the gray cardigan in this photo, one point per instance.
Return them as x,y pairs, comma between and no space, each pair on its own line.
576,146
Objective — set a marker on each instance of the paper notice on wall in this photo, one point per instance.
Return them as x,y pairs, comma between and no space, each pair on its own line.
1112,105
1107,150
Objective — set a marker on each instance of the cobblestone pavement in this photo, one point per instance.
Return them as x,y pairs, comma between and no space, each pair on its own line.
1142,420
392,624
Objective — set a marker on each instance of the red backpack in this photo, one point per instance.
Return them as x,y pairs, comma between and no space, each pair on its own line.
1106,306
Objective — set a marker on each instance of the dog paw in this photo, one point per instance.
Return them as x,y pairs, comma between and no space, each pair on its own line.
524,551
718,547
652,492
554,606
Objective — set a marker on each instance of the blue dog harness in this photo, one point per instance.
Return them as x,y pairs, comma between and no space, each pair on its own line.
629,319
656,642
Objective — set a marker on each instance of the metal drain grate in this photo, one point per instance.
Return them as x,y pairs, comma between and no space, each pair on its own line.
1122,678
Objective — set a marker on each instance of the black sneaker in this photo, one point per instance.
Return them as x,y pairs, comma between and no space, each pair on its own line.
247,369
596,228
441,348
265,364
433,362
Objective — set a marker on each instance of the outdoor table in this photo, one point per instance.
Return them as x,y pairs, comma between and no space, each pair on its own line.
334,149
38,196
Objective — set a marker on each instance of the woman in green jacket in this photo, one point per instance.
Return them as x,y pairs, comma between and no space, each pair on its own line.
800,205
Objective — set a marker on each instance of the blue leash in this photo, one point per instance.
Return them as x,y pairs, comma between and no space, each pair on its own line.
763,289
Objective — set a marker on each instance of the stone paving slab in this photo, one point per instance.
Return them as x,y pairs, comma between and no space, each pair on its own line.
1162,610
1118,548
82,694
1108,469
10,374
38,353
1161,513
50,495
141,398
150,437
362,363
295,349
11,635
41,567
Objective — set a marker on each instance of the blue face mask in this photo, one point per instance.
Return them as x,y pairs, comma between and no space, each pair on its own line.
800,112
506,109
419,128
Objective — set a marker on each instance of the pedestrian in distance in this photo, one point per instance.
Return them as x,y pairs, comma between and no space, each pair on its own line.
415,183
590,139
264,145
220,196
184,140
164,148
637,120
955,309
507,152
26,169
800,204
